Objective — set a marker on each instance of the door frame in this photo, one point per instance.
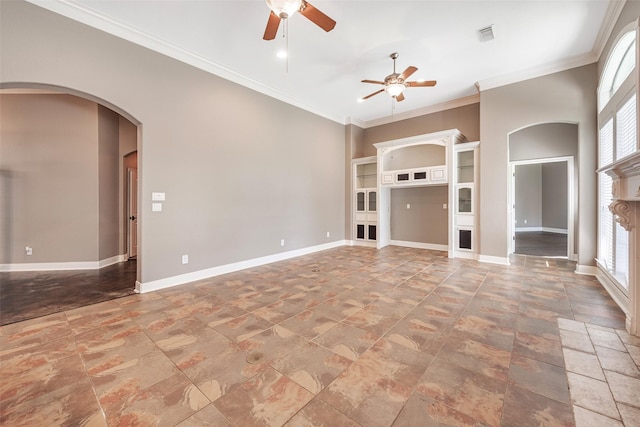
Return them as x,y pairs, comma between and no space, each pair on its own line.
130,199
571,255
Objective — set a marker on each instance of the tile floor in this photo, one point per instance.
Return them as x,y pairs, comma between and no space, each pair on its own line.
347,337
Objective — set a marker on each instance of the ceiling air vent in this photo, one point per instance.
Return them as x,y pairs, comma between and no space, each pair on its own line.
486,33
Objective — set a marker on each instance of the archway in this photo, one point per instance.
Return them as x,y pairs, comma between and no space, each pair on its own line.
542,190
64,196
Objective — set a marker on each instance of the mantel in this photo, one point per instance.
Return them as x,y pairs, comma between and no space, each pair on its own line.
626,175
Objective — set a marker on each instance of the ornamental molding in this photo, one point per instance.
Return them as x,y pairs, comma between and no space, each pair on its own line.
622,212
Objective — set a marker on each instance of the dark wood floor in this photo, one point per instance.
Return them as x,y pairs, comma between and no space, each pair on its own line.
541,243
26,295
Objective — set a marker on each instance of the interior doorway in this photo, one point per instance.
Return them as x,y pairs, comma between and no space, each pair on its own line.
131,203
84,222
542,210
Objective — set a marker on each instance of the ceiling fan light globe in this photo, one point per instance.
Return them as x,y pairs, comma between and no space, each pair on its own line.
395,89
284,8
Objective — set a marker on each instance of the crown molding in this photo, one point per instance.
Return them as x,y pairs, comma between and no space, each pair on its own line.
608,23
455,103
85,15
611,17
533,73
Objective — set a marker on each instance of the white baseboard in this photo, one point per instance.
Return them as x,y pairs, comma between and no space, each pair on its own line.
54,266
181,279
464,255
420,245
587,270
607,282
545,229
494,259
367,243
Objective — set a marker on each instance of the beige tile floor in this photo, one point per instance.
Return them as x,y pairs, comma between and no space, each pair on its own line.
346,337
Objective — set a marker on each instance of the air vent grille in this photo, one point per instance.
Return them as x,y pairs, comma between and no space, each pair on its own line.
486,33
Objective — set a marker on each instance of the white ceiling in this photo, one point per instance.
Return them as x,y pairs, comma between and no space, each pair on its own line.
532,37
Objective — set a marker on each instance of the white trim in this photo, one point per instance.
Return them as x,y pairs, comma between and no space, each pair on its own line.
464,254
168,282
84,14
606,29
73,265
366,243
449,105
494,259
532,73
571,188
545,229
419,245
587,270
605,279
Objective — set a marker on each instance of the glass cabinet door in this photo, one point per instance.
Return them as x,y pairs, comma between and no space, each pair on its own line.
464,200
372,201
465,166
360,205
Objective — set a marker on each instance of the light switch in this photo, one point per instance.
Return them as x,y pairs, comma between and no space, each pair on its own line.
408,205
444,206
157,197
156,207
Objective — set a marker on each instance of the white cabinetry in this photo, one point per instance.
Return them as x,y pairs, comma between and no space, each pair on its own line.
365,200
465,178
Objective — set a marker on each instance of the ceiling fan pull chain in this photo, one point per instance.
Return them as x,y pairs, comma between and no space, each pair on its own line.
286,43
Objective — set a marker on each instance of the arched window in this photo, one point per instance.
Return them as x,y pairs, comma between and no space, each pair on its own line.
619,65
617,138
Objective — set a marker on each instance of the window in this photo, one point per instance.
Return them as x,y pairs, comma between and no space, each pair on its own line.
617,138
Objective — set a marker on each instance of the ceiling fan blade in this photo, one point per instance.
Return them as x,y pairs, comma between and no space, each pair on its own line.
376,82
400,97
272,27
421,84
317,17
406,73
374,93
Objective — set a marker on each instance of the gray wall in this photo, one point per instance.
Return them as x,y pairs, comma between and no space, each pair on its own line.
109,195
466,119
565,97
541,195
49,146
62,153
545,141
426,220
554,195
240,170
528,192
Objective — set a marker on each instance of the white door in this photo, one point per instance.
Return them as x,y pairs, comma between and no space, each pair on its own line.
132,212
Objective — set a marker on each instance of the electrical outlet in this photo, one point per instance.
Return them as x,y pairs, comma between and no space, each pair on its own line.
525,221
282,242
28,250
328,234
185,259
408,205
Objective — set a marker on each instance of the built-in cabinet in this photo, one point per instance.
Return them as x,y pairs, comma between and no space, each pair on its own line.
365,201
465,177
437,159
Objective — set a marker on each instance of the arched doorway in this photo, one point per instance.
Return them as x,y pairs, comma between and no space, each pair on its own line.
542,196
64,197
